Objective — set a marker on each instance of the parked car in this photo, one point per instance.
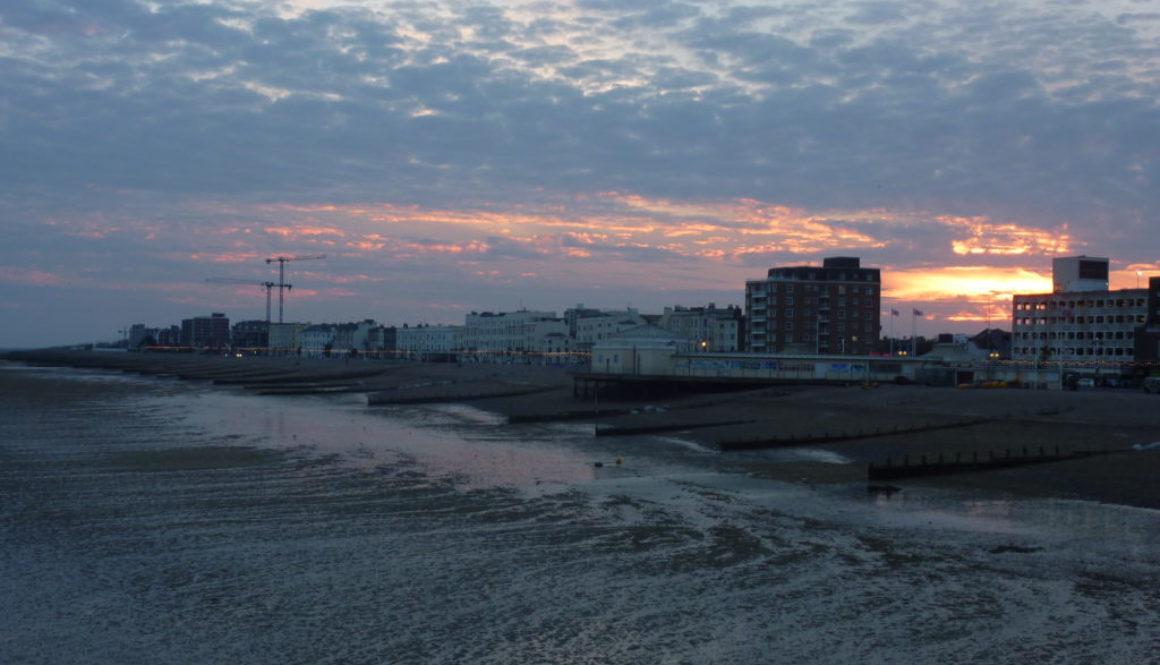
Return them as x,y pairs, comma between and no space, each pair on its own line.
1152,384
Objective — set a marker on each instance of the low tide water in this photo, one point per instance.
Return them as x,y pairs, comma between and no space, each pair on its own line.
145,520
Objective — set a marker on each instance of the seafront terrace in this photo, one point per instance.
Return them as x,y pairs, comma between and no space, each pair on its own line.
828,369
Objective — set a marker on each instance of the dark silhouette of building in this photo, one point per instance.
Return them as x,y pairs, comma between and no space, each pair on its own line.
251,334
829,309
202,332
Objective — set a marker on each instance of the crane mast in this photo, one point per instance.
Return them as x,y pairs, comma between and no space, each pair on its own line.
269,287
282,285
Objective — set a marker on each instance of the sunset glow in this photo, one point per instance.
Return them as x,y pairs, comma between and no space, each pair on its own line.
449,157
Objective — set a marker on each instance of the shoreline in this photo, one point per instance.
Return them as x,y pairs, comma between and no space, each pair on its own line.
885,422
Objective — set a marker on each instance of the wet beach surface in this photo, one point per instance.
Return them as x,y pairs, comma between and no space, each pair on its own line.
150,520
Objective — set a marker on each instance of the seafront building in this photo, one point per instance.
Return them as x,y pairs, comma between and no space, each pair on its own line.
253,334
712,329
832,309
381,340
316,340
139,333
1148,337
521,331
428,342
1081,320
646,349
353,337
201,332
284,337
588,326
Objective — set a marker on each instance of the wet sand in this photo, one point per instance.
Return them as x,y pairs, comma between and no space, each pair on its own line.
929,421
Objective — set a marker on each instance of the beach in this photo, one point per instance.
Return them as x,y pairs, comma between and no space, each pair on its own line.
146,518
858,424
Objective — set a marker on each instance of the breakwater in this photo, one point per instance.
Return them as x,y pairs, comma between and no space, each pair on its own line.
973,462
827,436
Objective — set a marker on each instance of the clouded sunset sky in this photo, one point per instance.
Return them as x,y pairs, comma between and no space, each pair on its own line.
456,156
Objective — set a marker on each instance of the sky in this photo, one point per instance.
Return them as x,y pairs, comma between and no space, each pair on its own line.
449,157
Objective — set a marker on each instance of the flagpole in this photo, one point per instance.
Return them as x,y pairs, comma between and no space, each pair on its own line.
892,315
913,332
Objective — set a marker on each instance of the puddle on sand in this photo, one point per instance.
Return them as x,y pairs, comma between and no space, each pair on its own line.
433,438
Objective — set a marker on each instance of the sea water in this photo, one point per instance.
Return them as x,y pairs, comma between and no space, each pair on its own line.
145,520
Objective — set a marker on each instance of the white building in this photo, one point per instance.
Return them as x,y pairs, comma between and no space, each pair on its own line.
645,349
590,326
1082,321
317,340
285,337
424,341
714,330
547,335
556,344
353,336
506,331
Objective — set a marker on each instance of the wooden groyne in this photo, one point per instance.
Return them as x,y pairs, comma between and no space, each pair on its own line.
815,438
560,416
630,430
973,462
386,399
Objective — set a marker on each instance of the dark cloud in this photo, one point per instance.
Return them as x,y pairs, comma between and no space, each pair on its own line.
876,13
334,98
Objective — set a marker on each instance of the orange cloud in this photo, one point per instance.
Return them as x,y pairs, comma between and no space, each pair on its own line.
975,283
29,277
303,231
1134,276
724,232
227,257
1005,239
471,247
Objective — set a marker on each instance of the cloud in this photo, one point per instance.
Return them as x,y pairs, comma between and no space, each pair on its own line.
586,134
26,277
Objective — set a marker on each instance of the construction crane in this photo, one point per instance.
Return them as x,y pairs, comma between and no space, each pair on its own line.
282,285
269,286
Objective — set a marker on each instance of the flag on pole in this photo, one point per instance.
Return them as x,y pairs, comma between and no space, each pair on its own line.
917,313
894,312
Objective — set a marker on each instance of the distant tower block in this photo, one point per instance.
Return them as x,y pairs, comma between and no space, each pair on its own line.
1079,273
